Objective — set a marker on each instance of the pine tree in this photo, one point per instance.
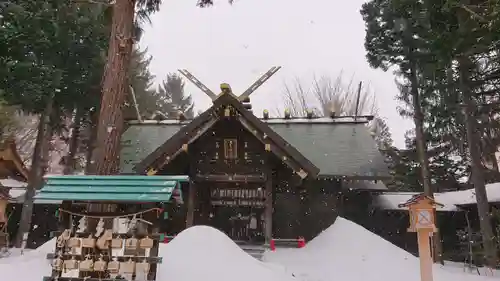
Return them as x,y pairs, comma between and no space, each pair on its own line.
44,72
141,81
394,37
172,99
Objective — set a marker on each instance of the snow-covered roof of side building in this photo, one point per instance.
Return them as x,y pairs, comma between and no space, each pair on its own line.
451,200
16,188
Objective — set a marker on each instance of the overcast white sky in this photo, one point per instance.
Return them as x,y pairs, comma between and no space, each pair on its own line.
238,43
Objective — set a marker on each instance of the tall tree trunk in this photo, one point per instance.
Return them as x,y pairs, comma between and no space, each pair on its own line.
45,161
91,142
421,142
470,108
35,174
70,165
115,89
418,119
465,68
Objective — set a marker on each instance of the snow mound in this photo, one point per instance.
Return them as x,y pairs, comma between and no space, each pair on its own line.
204,241
351,242
37,254
205,253
348,252
198,253
33,265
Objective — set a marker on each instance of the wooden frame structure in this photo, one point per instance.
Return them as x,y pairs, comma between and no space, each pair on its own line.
4,200
118,236
11,166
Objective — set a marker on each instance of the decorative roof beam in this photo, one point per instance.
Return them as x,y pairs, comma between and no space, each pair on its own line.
226,88
259,82
198,84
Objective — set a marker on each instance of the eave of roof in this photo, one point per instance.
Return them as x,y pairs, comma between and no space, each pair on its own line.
294,120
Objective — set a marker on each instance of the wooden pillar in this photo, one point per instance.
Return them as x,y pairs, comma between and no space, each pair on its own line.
3,210
424,252
205,204
305,209
268,211
191,200
192,189
64,218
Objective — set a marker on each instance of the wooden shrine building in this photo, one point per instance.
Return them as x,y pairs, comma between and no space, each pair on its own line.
256,178
12,169
11,164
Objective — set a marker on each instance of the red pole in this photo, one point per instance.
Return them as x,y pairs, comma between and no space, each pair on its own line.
272,245
301,242
165,239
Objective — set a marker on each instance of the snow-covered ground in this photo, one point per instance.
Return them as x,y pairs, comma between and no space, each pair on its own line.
343,252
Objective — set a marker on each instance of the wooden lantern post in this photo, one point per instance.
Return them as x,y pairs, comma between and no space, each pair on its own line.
3,209
4,200
421,212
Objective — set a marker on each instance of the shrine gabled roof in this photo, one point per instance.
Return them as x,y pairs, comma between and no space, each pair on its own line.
12,165
204,121
338,146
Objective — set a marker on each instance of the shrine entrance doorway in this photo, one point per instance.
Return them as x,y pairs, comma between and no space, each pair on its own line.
238,211
240,223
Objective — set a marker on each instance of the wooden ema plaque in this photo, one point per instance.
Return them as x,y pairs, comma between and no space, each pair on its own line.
92,254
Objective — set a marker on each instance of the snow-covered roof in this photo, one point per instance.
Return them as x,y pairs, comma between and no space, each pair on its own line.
12,183
391,200
17,195
16,188
451,200
366,185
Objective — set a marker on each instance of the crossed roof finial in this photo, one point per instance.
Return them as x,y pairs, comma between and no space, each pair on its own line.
226,88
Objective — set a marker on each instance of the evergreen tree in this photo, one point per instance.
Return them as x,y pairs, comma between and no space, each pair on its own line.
447,53
141,81
7,119
49,54
171,98
395,37
390,42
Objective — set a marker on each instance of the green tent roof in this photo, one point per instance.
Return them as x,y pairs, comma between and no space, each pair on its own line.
110,188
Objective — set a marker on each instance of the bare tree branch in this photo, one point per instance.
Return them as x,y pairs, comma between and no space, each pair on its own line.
327,94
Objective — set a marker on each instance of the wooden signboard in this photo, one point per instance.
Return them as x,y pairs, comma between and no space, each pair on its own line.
238,197
424,219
